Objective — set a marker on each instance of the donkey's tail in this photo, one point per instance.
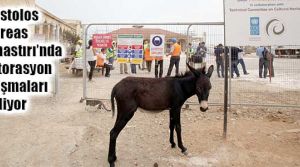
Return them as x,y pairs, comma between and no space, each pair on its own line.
112,100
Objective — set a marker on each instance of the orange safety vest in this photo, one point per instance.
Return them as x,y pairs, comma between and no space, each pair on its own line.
100,62
177,50
147,54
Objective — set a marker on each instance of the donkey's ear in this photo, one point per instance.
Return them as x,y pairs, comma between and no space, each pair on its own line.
210,71
194,71
203,70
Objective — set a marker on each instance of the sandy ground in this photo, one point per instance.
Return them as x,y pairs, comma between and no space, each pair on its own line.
60,131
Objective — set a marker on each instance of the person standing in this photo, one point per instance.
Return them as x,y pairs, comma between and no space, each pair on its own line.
241,61
159,61
219,53
110,53
269,58
91,58
147,56
263,62
271,64
78,49
130,56
202,50
175,57
189,53
123,67
77,54
234,61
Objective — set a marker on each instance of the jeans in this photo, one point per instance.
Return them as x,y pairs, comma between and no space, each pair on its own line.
263,64
174,61
220,63
111,60
160,64
234,68
92,65
133,68
241,61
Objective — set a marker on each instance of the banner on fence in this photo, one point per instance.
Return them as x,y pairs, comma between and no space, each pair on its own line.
102,40
157,45
262,23
130,48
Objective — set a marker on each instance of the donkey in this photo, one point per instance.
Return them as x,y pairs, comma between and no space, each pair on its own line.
156,95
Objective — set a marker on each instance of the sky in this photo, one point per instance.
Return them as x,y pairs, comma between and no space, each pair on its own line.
109,11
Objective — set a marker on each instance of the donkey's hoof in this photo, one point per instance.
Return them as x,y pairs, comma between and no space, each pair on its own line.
173,145
112,159
112,164
186,153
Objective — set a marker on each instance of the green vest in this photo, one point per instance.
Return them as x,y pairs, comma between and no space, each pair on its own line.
110,53
190,51
79,53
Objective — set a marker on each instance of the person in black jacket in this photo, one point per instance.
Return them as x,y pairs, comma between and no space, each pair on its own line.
219,53
234,61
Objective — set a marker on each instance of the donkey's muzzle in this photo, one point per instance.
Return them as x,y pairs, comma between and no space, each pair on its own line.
203,109
203,106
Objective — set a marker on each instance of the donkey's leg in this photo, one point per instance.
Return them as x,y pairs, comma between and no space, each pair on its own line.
178,131
119,125
172,126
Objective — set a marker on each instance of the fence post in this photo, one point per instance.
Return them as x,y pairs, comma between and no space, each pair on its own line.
84,71
226,92
189,40
230,72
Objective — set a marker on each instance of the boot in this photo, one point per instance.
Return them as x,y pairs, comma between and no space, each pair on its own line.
107,72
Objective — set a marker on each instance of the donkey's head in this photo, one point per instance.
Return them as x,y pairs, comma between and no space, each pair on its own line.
203,85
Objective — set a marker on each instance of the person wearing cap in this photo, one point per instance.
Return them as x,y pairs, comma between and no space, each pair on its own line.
110,53
78,49
175,57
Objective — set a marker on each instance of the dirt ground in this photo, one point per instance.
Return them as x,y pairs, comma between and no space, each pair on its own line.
60,131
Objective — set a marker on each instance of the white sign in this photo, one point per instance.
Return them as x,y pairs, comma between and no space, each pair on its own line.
262,22
130,48
157,45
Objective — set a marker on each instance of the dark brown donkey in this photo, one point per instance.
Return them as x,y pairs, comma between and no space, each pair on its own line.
157,95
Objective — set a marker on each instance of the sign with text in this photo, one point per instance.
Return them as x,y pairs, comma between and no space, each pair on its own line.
262,22
130,48
157,45
102,40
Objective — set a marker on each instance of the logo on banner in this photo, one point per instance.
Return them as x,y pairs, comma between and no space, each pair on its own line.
275,27
254,26
157,40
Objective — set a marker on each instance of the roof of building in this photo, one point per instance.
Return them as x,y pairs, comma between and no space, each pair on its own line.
44,11
146,32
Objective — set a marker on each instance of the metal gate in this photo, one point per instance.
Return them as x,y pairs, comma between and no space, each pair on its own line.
246,90
211,33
